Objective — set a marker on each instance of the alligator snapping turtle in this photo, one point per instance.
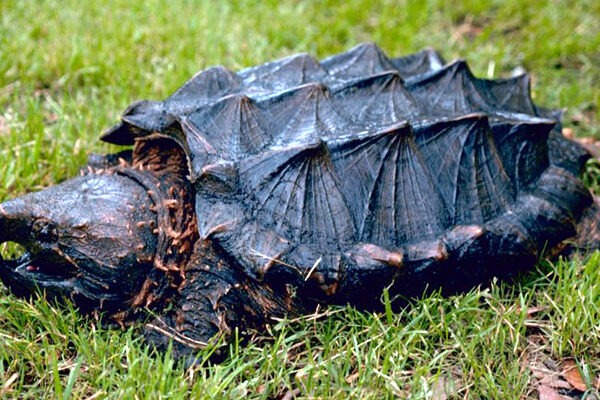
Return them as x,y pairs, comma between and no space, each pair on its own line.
294,183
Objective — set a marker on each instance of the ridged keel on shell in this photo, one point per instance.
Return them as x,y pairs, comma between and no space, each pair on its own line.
283,74
360,61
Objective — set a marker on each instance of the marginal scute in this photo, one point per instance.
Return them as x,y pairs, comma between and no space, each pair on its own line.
256,248
376,253
427,252
547,224
566,153
461,235
563,189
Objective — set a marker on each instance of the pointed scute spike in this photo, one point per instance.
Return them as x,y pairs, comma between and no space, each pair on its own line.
422,62
454,90
457,67
362,60
449,91
233,126
283,74
376,101
304,114
207,85
552,114
369,81
507,95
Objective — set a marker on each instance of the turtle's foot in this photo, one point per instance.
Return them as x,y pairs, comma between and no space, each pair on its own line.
214,301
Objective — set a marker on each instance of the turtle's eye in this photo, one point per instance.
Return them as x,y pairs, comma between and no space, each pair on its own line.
44,231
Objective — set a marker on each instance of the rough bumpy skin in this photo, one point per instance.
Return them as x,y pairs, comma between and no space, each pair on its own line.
266,192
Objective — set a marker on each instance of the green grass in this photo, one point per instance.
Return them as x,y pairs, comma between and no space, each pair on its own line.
67,70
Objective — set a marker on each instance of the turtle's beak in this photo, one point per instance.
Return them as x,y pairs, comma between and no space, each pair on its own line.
15,220
36,267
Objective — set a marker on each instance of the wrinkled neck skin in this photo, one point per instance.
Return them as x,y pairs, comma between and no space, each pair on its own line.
115,239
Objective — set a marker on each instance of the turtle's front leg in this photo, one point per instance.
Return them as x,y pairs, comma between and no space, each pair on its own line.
215,299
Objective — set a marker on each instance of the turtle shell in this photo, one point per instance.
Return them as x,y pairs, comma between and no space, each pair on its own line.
340,177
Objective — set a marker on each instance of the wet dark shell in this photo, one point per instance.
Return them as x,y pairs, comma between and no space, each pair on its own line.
344,176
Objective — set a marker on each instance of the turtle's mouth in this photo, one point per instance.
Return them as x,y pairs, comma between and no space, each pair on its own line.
43,270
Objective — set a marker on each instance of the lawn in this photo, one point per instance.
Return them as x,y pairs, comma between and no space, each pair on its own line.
69,68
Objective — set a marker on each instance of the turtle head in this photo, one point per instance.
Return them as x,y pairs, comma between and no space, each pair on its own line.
91,239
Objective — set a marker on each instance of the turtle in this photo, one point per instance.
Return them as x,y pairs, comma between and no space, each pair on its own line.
264,193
